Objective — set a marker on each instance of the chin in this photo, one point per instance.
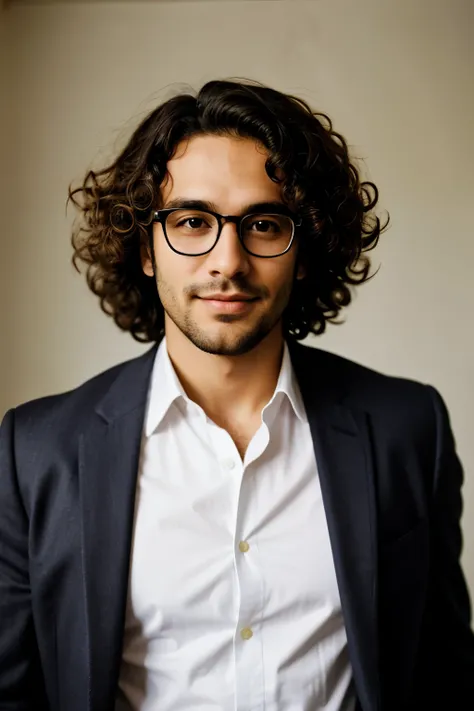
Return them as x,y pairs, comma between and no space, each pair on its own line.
228,344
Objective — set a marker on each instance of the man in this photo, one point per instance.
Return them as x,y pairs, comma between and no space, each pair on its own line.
232,520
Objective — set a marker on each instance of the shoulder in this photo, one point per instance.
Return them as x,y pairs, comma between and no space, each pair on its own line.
388,398
59,417
354,376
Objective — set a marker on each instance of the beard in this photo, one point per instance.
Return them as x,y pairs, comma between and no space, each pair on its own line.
234,335
228,342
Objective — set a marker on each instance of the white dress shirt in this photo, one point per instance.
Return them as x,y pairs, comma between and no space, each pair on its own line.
233,603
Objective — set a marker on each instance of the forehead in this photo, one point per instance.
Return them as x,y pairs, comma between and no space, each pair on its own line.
225,170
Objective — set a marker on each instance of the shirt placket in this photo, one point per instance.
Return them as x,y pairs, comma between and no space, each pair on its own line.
248,591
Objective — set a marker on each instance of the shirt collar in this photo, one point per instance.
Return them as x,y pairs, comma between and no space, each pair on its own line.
288,385
165,388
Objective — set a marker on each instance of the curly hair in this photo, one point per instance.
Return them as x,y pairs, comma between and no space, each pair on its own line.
319,179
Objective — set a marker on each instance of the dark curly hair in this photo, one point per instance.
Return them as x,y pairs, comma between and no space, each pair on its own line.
319,181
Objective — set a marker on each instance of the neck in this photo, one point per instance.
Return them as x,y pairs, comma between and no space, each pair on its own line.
227,387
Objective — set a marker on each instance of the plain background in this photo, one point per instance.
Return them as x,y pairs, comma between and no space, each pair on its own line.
394,75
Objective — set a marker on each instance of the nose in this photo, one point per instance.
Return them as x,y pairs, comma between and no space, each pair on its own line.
228,257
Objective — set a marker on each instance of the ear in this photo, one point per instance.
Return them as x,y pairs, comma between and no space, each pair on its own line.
301,272
145,258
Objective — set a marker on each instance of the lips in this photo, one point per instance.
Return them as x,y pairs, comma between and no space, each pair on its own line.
235,297
230,305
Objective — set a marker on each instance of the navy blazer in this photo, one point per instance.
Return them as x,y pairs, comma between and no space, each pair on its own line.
391,485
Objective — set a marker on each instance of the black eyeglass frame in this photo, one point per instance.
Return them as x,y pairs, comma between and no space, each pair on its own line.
161,215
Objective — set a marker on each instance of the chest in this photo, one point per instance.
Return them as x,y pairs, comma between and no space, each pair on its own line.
233,592
213,530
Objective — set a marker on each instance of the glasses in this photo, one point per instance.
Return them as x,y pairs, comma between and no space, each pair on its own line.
193,233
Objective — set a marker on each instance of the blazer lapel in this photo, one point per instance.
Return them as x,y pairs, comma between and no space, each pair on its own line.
342,448
109,457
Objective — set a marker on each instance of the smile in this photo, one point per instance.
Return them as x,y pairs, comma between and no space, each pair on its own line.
229,307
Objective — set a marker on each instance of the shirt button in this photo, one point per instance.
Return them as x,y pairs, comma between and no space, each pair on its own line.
243,546
246,633
229,463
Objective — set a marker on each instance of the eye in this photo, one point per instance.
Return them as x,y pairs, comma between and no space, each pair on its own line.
268,225
187,221
263,225
193,222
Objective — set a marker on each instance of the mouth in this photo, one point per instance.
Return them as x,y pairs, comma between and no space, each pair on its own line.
230,305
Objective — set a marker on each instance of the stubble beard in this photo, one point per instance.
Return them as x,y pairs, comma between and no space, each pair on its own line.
245,339
224,344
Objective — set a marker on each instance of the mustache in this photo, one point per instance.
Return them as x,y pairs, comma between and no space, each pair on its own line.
224,287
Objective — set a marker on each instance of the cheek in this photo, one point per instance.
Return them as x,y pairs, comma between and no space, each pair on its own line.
279,276
173,273
167,266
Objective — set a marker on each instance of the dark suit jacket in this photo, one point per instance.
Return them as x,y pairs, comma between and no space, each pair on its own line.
391,485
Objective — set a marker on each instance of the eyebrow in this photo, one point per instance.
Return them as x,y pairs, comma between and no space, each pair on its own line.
271,206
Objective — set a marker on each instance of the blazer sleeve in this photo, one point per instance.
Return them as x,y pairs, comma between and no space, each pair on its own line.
21,687
444,676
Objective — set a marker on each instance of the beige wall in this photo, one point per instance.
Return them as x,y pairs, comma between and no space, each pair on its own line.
5,114
395,75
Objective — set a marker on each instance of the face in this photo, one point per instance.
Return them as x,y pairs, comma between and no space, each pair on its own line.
229,174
